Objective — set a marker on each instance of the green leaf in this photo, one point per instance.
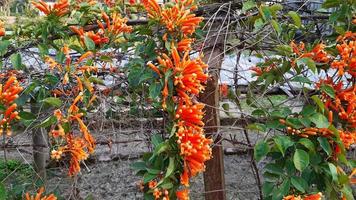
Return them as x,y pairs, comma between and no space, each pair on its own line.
300,159
331,3
148,177
27,115
258,24
89,43
48,122
324,143
276,26
318,101
261,150
162,147
307,62
156,140
299,183
248,5
328,90
284,50
257,127
171,167
266,13
319,120
16,61
53,101
154,90
308,144
139,165
301,79
267,189
283,143
3,46
296,18
3,192
333,172
282,190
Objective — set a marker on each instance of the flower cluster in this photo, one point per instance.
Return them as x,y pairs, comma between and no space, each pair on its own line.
77,147
39,196
116,26
346,62
188,77
59,9
8,94
318,53
317,196
177,19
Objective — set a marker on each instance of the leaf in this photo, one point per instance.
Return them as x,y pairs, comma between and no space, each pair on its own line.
47,122
258,24
154,90
261,150
328,90
284,50
296,18
324,143
266,13
89,43
267,188
307,143
301,79
299,183
3,192
300,159
139,165
319,120
283,142
276,26
148,177
309,63
331,3
156,140
27,115
170,168
318,101
3,46
16,61
53,101
257,127
333,172
248,5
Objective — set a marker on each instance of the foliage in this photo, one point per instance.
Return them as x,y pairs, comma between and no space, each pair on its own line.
309,153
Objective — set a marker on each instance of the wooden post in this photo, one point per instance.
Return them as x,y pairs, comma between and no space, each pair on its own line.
214,180
40,148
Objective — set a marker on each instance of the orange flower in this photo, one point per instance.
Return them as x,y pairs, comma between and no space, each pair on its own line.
2,29
8,94
56,155
39,194
179,19
346,62
185,45
183,194
117,25
152,8
75,147
224,90
97,38
59,9
157,193
306,197
191,115
313,196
